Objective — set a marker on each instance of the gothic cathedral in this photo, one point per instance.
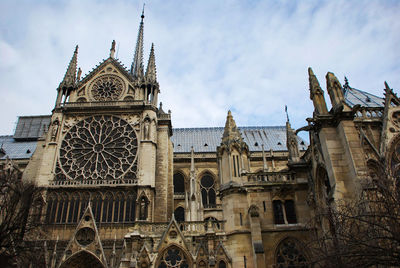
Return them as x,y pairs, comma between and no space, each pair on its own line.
122,188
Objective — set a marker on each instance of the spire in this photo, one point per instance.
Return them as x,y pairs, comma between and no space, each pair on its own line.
316,93
69,81
151,73
137,64
112,50
192,160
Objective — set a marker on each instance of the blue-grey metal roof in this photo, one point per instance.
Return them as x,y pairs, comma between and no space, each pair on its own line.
31,127
207,139
355,96
16,149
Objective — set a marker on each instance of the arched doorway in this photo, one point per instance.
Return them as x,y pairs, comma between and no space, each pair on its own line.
82,259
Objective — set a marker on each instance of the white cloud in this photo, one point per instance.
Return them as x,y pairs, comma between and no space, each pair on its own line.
248,56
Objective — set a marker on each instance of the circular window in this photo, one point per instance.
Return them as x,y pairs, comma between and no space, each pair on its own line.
85,236
99,147
107,88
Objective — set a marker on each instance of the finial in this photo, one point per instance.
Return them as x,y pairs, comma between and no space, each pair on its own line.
76,49
387,86
287,114
112,50
143,12
346,83
310,71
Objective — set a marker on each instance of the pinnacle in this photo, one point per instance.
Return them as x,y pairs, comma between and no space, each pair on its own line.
151,72
231,132
310,71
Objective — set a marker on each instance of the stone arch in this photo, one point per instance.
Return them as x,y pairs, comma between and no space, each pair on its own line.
174,256
82,259
290,252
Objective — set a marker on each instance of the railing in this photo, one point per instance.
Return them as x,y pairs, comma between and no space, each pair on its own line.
102,104
271,177
198,227
93,182
164,116
368,113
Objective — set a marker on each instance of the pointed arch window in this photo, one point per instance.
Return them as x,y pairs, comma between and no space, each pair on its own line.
179,214
84,203
179,184
107,208
96,207
208,195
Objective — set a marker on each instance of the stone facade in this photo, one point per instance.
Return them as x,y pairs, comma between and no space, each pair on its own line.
121,190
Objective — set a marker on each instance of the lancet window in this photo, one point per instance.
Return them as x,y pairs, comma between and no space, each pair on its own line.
207,184
179,214
111,207
179,184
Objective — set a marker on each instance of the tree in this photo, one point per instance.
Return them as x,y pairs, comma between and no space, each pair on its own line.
362,232
20,206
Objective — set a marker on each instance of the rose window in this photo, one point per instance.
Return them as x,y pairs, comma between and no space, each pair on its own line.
107,88
290,255
173,257
99,148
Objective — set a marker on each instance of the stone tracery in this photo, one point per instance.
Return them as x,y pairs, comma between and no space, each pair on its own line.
107,88
98,148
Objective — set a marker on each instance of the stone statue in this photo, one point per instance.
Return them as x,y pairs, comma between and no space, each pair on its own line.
54,130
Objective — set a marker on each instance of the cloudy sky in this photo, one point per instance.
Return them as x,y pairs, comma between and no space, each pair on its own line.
212,56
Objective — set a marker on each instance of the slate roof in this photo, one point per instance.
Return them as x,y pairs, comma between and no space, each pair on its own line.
207,139
355,96
31,127
16,149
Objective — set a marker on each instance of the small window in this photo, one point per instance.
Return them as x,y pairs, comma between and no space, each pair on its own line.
241,219
290,212
278,212
265,209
